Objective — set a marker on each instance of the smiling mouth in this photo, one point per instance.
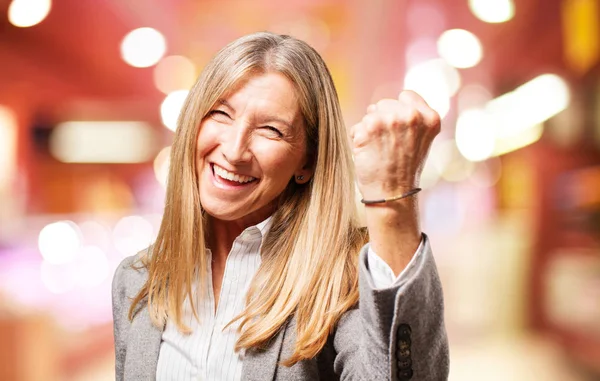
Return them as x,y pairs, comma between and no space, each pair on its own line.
230,178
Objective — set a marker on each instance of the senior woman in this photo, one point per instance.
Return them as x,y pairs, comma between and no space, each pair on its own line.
261,270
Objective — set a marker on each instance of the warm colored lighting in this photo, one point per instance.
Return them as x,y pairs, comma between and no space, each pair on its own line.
26,13
92,267
174,73
161,165
473,96
493,11
171,107
143,47
59,242
421,50
103,142
440,155
460,48
487,173
449,163
132,234
95,234
314,31
58,278
435,81
530,104
425,18
475,136
513,120
8,146
526,137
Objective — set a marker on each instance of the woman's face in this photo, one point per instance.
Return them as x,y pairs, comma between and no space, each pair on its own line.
249,146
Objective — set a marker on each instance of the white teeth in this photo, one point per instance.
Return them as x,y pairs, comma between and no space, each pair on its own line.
231,176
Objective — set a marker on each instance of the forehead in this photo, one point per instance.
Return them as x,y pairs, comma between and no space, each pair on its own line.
272,91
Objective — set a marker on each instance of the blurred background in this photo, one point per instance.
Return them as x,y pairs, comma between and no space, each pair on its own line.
90,91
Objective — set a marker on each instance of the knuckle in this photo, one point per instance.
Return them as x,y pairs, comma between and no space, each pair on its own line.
413,116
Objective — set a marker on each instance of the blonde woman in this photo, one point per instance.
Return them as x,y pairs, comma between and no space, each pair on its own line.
260,270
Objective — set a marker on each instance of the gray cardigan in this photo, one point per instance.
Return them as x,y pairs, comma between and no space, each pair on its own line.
395,334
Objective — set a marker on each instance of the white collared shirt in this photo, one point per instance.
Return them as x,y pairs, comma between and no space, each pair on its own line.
208,352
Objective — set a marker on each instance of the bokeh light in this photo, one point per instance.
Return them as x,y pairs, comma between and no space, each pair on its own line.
102,142
435,81
460,48
143,47
171,107
132,234
493,11
174,73
475,135
26,13
59,242
8,145
96,234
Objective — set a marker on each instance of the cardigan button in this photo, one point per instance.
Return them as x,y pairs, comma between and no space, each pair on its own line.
405,374
404,364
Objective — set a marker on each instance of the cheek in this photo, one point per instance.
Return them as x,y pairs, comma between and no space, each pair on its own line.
282,162
206,141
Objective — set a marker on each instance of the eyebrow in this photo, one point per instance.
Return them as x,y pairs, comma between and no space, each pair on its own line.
266,119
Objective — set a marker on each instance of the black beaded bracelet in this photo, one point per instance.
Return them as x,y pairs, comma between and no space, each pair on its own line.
394,198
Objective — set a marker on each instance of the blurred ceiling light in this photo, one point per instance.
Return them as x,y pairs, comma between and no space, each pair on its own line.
161,165
530,104
460,48
59,242
435,81
103,142
526,137
143,47
513,120
132,234
493,11
8,146
171,107
475,136
26,13
174,73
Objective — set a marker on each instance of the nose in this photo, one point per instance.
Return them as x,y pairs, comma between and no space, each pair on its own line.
235,145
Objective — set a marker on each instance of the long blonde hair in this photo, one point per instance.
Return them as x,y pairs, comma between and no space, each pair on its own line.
309,257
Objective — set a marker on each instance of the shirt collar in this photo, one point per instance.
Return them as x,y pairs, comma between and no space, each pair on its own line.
264,226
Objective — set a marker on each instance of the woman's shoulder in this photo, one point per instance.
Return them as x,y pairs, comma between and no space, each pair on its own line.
131,274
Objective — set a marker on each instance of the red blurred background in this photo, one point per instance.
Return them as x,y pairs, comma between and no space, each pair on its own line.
512,187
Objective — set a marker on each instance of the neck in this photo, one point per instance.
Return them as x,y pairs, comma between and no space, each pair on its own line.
222,234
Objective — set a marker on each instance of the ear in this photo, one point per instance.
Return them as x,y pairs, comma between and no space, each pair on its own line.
303,175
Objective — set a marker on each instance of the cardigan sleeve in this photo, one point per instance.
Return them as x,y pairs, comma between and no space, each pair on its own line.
397,333
120,308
